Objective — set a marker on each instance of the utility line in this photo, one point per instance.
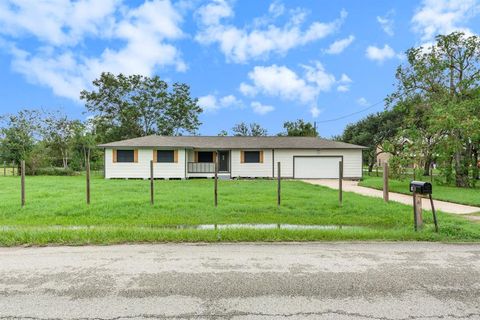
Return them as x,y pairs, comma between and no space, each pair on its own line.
351,114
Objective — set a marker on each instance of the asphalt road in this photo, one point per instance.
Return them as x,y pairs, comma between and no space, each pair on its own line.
242,281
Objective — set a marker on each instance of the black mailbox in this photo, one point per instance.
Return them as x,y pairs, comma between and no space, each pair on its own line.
421,187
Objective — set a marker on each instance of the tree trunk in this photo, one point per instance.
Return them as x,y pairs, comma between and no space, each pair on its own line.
426,166
476,163
370,167
461,170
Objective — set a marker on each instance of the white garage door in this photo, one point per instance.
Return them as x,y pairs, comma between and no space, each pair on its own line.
316,167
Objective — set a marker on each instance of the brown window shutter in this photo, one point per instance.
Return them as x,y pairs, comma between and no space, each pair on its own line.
175,156
196,156
242,156
261,156
135,155
214,156
114,155
155,154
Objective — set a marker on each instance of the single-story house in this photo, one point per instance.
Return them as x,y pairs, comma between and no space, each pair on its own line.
183,157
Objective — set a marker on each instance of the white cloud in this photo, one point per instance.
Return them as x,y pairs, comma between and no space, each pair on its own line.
340,45
282,82
230,101
319,76
208,102
363,102
276,8
213,12
344,83
279,81
435,17
386,22
57,22
315,112
59,61
380,54
345,79
243,44
261,108
211,103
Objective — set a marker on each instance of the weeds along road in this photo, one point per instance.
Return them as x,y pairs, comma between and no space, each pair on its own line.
242,281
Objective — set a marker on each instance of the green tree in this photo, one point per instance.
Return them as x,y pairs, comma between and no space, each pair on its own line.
439,85
84,143
132,106
222,133
58,132
19,134
378,132
252,130
299,128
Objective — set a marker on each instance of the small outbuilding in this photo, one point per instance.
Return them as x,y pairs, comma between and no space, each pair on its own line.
237,157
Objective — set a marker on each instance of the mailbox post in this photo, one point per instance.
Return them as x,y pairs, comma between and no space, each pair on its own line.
419,189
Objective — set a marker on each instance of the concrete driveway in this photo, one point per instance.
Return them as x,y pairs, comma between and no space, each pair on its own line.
352,186
242,281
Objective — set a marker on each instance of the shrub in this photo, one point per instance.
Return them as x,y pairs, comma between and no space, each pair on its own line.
53,171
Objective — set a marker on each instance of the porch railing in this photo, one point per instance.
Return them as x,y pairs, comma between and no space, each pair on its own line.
201,167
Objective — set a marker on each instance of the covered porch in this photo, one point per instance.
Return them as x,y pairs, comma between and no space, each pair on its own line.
201,162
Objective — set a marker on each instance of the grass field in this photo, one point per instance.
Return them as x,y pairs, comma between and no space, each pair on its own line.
120,212
470,196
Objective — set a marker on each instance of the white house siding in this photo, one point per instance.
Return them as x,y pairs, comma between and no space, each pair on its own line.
352,160
141,169
251,170
172,170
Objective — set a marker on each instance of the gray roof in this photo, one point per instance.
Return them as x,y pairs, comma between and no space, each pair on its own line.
221,142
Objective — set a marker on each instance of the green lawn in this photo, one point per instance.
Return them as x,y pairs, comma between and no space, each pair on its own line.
120,212
470,196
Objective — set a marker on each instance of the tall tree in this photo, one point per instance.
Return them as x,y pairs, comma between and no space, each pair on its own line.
299,128
253,130
19,134
378,132
58,133
441,82
222,133
132,106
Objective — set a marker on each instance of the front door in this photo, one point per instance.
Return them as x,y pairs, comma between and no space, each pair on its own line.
223,161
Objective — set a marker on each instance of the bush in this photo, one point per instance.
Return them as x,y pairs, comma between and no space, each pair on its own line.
54,172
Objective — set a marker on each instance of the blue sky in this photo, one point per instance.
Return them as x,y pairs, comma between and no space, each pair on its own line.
263,61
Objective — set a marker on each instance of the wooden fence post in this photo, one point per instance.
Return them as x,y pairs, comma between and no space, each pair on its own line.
279,188
13,168
87,169
417,211
152,200
216,183
340,186
385,181
22,168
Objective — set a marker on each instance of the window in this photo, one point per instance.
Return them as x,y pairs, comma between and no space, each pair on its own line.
251,156
165,156
205,156
125,156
